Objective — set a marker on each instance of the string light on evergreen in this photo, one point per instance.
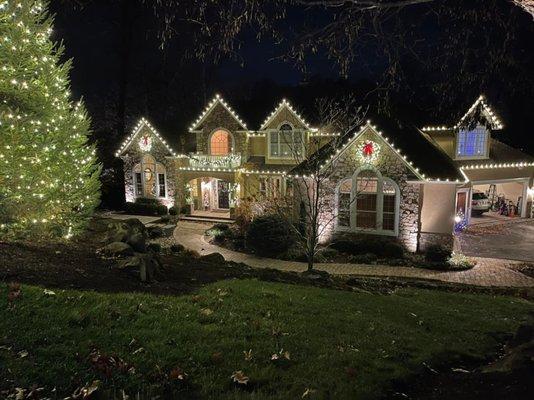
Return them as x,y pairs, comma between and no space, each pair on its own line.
49,177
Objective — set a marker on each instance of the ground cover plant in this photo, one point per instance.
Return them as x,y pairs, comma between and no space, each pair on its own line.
284,340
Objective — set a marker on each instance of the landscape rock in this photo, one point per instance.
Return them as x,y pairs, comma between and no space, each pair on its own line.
116,249
216,258
317,276
137,241
145,265
155,232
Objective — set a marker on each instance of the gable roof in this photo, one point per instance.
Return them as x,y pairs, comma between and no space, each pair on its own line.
426,160
285,104
490,115
143,122
211,106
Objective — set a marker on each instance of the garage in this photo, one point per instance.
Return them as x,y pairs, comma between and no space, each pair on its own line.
506,198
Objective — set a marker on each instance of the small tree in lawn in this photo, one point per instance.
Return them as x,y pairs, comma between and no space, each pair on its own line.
48,173
339,116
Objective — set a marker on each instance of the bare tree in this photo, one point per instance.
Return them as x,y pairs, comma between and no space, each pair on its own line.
303,203
527,5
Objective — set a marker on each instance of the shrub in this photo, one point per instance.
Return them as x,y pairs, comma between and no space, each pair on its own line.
165,218
154,247
185,209
269,235
380,246
460,262
173,210
145,207
328,253
393,250
368,258
177,248
437,253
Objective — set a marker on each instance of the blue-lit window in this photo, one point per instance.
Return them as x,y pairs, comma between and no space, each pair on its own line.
472,142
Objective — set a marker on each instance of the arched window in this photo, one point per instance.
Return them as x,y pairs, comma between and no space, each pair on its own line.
286,142
149,178
368,202
220,143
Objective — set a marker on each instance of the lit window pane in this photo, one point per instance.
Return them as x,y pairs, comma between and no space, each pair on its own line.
472,142
220,143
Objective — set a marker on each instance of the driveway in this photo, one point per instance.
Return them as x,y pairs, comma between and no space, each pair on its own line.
511,241
487,272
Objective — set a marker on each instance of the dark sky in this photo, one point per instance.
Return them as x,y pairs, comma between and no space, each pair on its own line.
172,90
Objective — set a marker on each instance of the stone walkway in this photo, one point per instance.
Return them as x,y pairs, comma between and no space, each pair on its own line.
488,272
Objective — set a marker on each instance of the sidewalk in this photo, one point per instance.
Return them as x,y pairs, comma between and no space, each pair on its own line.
488,272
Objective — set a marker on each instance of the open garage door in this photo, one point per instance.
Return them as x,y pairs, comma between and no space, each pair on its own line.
499,199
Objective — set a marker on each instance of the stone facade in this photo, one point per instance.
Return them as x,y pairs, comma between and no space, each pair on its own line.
133,155
389,165
220,118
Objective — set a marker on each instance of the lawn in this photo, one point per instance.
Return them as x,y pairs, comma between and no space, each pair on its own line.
340,344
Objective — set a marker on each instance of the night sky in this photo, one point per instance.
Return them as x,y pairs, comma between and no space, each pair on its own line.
172,90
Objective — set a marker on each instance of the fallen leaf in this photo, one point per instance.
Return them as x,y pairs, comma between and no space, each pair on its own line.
307,392
216,357
23,354
139,350
240,378
177,374
206,311
49,292
248,355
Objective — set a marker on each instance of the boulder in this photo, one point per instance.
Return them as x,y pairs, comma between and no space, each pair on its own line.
155,232
177,248
116,249
137,241
146,265
214,258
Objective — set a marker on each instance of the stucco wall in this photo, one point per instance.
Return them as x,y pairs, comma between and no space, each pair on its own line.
437,215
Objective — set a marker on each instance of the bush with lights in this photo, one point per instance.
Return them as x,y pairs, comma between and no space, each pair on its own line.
49,177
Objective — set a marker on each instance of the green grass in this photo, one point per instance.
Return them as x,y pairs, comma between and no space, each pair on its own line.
377,337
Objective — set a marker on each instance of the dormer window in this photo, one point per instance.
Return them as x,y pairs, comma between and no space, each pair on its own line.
285,142
472,143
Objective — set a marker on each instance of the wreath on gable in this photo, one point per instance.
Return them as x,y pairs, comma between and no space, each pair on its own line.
145,143
368,151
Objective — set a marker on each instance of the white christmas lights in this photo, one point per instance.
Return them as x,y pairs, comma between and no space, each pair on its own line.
128,141
521,164
285,104
216,100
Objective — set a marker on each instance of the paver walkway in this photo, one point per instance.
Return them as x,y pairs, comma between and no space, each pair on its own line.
488,272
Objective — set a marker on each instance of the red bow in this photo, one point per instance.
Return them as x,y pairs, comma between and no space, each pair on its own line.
145,140
368,149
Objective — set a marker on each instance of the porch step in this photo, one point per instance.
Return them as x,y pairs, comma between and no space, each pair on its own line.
200,218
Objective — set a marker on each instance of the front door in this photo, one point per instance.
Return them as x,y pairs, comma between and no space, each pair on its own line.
223,194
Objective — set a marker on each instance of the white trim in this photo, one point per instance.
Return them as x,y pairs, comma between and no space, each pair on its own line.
379,204
138,128
385,140
211,106
285,104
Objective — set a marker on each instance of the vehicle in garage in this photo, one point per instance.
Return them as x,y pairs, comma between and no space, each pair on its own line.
480,203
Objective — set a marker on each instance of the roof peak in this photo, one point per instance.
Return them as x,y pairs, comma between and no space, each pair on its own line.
217,99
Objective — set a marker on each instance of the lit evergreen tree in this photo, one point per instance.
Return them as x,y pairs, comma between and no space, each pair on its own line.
49,177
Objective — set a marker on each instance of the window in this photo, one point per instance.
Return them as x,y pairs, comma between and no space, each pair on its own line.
138,184
472,143
270,187
285,143
368,202
161,185
220,143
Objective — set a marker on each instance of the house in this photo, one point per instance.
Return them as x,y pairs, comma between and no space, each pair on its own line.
419,182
